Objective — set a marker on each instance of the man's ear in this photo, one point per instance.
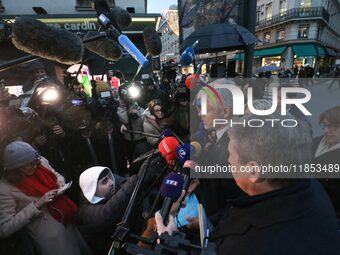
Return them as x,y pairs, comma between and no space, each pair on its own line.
254,172
227,111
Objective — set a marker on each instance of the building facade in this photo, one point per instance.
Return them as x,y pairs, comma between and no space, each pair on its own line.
297,32
170,35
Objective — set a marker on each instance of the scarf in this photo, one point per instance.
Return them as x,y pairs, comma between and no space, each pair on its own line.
43,180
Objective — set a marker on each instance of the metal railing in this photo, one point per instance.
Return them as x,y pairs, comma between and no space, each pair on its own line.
317,12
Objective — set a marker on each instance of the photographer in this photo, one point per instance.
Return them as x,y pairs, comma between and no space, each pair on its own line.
132,118
151,91
47,100
105,124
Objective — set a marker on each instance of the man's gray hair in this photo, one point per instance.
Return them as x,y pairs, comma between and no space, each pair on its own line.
277,145
262,104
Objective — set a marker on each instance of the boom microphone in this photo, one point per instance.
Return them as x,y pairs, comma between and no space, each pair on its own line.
121,16
152,41
103,13
35,37
105,47
171,191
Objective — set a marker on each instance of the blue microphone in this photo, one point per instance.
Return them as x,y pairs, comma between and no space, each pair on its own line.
132,49
171,191
188,55
184,151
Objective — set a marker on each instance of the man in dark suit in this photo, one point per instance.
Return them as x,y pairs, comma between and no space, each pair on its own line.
279,215
213,192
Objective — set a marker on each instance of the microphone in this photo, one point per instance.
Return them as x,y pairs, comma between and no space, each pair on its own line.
103,12
188,55
121,16
184,151
105,47
36,38
141,133
189,165
197,149
168,132
171,191
167,147
152,41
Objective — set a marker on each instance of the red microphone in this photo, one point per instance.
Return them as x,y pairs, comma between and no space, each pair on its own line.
191,81
168,148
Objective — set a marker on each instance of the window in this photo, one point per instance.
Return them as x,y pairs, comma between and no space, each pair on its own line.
269,11
303,31
283,7
306,5
280,34
266,37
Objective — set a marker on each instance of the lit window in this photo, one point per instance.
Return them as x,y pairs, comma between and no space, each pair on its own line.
269,11
303,31
266,37
280,35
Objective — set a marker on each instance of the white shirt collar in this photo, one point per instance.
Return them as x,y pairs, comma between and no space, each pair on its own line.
220,132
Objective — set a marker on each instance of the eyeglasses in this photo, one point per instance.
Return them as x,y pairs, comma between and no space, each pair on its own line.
329,126
157,110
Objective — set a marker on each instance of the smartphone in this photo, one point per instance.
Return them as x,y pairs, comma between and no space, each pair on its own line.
64,188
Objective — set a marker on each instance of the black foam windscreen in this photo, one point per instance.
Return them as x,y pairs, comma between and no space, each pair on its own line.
35,37
152,41
104,47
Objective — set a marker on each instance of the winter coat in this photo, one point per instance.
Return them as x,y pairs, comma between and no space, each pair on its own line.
294,220
50,237
153,126
98,220
221,189
132,119
331,185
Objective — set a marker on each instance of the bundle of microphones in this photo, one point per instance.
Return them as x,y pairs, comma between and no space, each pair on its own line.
179,158
34,37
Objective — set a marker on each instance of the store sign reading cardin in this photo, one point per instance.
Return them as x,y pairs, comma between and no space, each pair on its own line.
80,26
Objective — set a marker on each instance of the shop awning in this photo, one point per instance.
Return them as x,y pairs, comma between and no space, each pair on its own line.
305,50
321,50
238,56
270,52
331,52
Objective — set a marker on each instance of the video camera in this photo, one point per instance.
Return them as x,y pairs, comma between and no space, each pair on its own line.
169,72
